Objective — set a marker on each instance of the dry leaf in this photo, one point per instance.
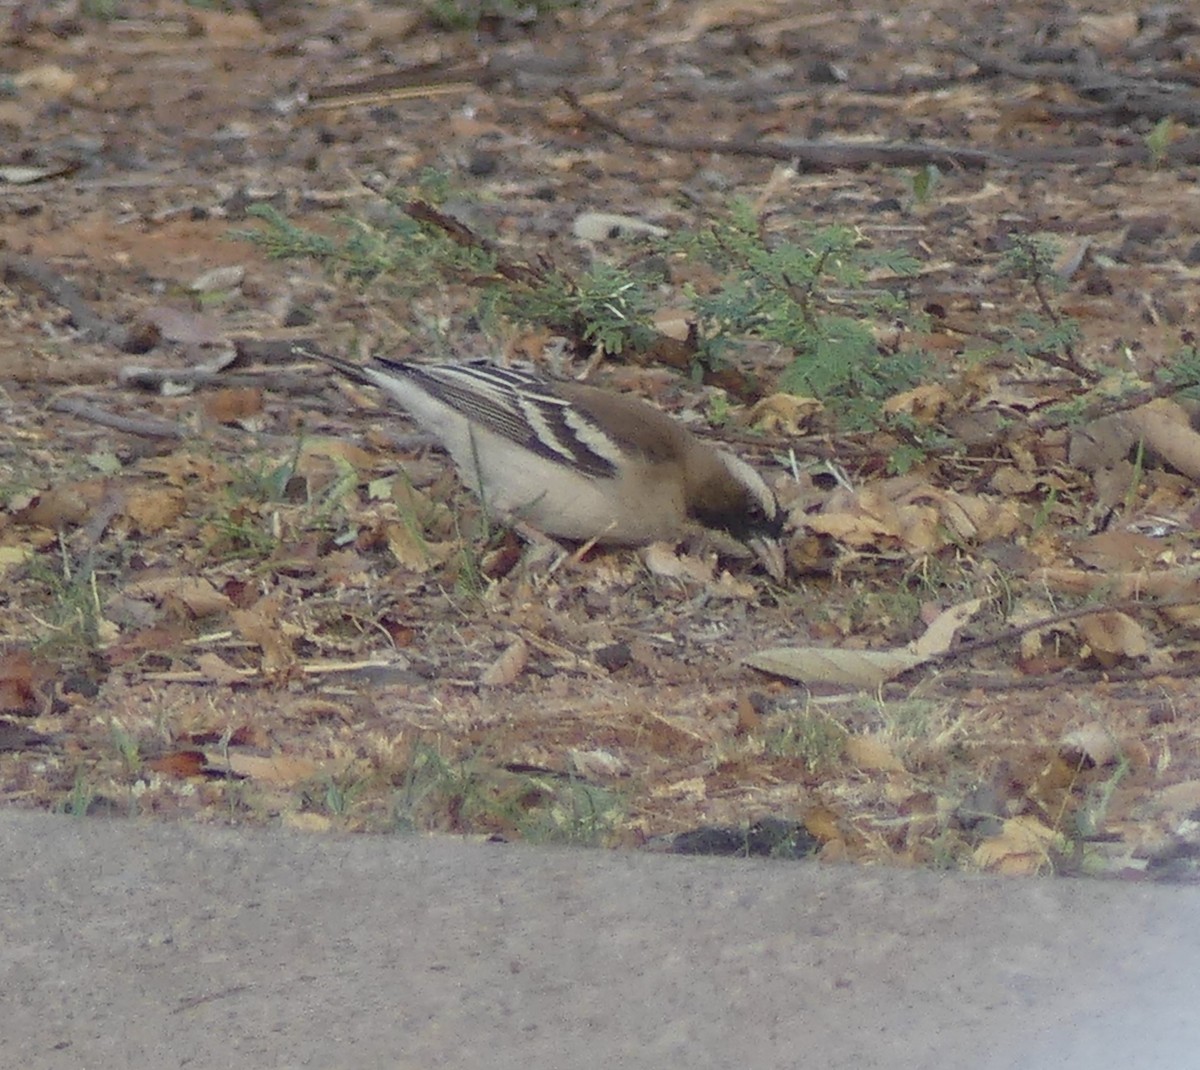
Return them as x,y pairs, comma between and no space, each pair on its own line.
18,690
66,505
409,547
1178,584
187,597
508,666
731,587
943,628
335,449
1109,34
261,625
180,763
219,671
228,29
694,789
153,509
184,326
663,562
1022,848
913,513
823,824
306,821
748,718
1164,426
281,770
864,668
1113,637
12,557
47,79
189,471
1072,256
845,668
1013,481
605,226
233,404
16,175
1103,443
597,764
855,529
925,404
675,323
1116,550
720,13
214,280
784,414
873,754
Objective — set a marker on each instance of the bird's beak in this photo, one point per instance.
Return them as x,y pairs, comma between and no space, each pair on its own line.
769,553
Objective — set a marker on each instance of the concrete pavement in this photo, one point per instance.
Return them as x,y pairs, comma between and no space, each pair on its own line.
158,946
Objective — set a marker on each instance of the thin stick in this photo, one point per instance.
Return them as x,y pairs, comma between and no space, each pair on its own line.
130,425
803,155
66,293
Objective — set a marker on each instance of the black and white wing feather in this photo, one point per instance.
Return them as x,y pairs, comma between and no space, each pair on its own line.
522,408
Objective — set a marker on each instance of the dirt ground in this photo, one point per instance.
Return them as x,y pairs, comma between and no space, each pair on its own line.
212,603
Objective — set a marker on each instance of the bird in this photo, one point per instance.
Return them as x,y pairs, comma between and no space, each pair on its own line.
575,461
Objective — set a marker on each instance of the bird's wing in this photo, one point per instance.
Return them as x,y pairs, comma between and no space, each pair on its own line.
522,408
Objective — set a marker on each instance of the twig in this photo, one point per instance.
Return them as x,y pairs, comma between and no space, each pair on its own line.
128,424
66,293
461,234
1073,679
1065,359
1123,96
153,379
199,676
1106,407
1176,154
828,156
426,81
803,155
991,683
973,646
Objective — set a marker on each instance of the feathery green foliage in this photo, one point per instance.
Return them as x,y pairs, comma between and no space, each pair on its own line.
820,294
812,295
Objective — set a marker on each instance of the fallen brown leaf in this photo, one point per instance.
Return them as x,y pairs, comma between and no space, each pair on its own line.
508,666
277,769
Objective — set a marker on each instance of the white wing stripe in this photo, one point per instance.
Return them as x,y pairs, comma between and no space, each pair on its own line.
584,432
538,419
521,409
